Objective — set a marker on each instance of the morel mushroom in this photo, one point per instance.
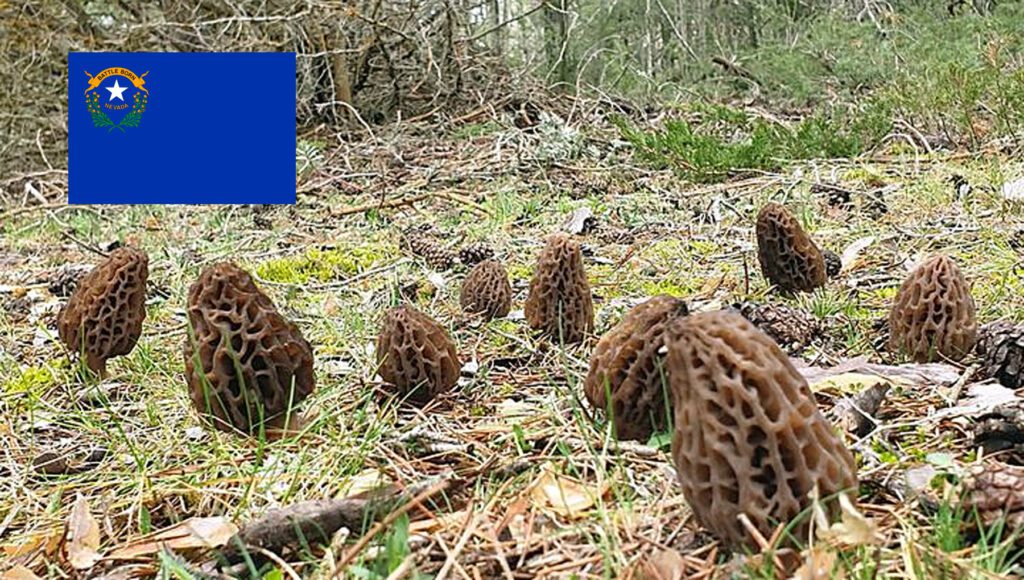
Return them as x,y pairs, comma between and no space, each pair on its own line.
933,315
416,355
103,318
559,302
749,438
486,290
247,366
628,367
789,258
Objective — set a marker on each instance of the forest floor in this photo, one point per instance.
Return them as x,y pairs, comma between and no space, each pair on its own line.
526,479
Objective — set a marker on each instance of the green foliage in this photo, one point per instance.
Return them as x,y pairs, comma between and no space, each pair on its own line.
725,141
33,380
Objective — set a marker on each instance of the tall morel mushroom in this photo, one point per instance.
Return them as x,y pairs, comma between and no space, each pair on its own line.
416,355
247,366
933,315
628,367
103,317
487,290
789,258
559,302
749,438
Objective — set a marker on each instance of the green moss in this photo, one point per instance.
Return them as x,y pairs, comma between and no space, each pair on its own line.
675,288
316,265
34,380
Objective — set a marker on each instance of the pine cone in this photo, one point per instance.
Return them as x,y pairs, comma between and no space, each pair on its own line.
833,263
473,254
996,491
1001,346
421,243
791,328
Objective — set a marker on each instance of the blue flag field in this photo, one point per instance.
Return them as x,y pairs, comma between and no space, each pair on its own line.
180,128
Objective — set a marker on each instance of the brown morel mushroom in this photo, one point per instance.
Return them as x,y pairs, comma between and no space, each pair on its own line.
789,258
559,303
933,315
247,366
486,290
416,355
103,318
628,366
749,438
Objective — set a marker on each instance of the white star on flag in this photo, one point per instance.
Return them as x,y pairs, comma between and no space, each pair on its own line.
115,91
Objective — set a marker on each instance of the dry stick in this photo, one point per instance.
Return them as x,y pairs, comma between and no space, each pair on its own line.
18,211
474,521
363,541
381,205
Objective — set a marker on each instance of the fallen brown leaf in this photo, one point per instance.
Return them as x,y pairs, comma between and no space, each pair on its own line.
190,534
18,573
83,537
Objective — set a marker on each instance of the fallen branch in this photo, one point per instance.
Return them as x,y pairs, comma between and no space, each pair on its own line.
316,521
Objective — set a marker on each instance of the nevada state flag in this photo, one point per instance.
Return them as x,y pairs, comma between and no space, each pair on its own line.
147,127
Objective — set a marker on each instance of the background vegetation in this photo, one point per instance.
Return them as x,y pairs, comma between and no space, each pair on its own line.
671,121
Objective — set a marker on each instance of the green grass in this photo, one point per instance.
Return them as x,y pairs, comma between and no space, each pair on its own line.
720,142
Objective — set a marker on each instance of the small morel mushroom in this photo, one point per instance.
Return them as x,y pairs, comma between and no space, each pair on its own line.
486,290
789,258
933,315
103,317
559,302
1001,346
247,366
628,366
749,438
416,355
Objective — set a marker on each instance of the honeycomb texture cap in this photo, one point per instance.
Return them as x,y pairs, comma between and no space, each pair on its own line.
559,302
933,314
415,354
487,290
628,365
245,363
789,258
749,438
103,317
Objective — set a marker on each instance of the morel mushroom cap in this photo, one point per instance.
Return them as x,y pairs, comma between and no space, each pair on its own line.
559,303
749,438
103,318
789,258
933,314
487,290
628,365
246,365
415,354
